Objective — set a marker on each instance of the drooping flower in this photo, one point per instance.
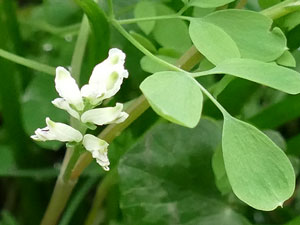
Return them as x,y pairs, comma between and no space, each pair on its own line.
106,78
57,131
102,116
98,148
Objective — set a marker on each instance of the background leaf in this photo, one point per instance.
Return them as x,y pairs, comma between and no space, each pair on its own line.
167,165
174,96
145,9
209,3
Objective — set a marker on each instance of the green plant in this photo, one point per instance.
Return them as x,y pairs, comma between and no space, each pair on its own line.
198,68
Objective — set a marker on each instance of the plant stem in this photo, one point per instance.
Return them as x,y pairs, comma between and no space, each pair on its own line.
137,108
281,9
109,180
59,199
63,187
80,48
142,48
27,62
165,17
76,151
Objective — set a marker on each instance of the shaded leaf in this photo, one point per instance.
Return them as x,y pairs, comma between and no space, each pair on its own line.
171,33
286,59
99,25
145,9
209,3
175,96
166,178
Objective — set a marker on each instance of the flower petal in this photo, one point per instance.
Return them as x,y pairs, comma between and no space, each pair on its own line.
107,76
98,148
43,135
63,104
63,132
106,115
67,88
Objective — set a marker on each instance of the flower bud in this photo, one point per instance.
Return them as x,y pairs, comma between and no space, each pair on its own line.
57,131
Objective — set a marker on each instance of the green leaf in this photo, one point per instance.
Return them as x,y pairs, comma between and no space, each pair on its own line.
171,33
7,160
286,59
220,172
268,74
175,96
259,172
267,3
99,25
144,41
145,9
151,66
209,3
252,33
166,178
278,114
213,42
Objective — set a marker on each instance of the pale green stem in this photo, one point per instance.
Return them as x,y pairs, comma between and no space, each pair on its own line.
65,183
219,106
282,9
80,49
143,19
142,48
109,180
27,62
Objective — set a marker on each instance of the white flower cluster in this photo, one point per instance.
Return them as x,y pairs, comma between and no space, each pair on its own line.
104,82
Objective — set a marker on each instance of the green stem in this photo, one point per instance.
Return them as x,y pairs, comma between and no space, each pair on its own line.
282,9
142,48
111,9
59,199
27,62
142,19
80,48
109,180
65,183
219,106
76,152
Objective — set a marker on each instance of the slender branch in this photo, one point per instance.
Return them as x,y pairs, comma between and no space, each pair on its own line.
137,108
142,48
109,180
27,62
142,19
79,50
281,9
63,187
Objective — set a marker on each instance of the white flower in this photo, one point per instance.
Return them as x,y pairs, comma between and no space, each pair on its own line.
106,78
98,148
68,89
63,104
106,115
57,131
